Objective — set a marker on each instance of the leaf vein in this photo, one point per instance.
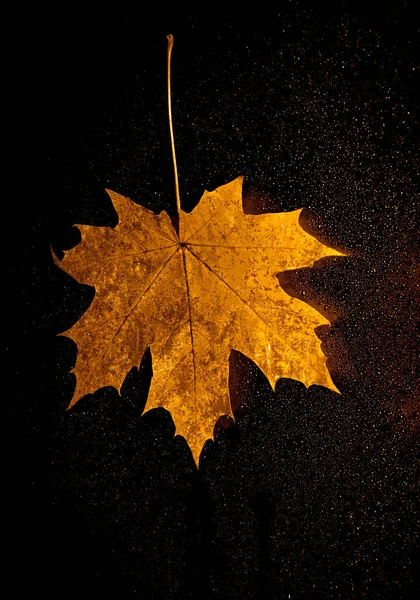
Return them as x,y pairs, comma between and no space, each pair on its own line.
137,302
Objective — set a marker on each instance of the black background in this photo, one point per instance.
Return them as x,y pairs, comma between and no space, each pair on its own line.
309,494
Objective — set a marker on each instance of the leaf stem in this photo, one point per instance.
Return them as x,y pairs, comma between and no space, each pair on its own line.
170,39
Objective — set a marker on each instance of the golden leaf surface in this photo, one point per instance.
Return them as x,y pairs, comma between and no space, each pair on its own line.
193,298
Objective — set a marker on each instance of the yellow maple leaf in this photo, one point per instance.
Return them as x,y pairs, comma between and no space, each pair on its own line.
193,298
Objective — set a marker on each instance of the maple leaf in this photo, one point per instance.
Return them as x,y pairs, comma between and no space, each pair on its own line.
193,298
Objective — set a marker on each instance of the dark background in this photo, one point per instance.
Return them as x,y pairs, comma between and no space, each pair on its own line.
309,494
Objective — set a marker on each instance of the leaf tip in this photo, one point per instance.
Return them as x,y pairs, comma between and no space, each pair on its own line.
110,193
71,403
55,258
